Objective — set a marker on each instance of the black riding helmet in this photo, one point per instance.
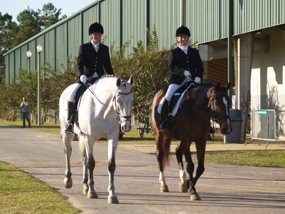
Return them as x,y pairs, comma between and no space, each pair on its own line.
183,31
96,27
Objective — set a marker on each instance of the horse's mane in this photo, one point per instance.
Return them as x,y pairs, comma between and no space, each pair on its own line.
108,76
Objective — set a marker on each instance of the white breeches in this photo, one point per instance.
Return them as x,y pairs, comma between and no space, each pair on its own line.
173,87
75,87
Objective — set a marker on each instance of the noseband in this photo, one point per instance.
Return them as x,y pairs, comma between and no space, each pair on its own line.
221,119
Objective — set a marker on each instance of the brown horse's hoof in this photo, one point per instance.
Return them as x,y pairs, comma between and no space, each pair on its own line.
164,188
67,182
92,194
195,197
113,200
183,187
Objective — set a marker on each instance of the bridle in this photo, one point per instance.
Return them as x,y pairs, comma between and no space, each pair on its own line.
116,107
221,119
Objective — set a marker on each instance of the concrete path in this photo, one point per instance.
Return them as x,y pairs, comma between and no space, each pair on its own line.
223,189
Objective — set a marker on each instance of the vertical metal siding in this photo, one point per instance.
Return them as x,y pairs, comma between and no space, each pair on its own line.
164,14
110,19
207,20
60,47
74,35
134,22
257,14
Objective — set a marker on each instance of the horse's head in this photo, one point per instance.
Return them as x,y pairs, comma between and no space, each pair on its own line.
220,103
123,102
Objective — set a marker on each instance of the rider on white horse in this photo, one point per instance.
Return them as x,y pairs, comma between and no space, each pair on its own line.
92,58
185,65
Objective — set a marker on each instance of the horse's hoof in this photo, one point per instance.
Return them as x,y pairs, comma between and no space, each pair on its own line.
113,200
92,195
195,197
164,188
183,187
67,182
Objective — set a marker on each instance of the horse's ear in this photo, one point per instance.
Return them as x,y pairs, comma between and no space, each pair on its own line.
228,85
217,86
131,80
118,83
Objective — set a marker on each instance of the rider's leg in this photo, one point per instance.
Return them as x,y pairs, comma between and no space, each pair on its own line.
71,109
164,110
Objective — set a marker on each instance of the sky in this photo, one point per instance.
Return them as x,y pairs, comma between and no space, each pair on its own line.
68,7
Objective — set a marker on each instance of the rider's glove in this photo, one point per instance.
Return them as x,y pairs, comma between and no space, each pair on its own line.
187,73
83,78
197,80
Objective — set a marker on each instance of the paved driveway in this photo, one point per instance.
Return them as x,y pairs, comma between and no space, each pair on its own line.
223,189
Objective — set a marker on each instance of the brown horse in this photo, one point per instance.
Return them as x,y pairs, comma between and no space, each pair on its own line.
191,123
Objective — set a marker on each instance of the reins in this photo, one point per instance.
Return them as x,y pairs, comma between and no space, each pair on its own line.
114,103
212,108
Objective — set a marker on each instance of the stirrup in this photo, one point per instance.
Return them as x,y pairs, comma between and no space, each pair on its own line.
69,129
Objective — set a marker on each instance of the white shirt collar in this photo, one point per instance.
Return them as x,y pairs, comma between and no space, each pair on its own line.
95,45
184,48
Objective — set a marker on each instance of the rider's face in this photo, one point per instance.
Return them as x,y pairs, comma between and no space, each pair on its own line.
96,37
182,39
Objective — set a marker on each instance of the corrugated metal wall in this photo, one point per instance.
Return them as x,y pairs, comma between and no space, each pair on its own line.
125,19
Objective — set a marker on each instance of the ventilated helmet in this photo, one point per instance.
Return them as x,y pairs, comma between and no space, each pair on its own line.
183,31
96,27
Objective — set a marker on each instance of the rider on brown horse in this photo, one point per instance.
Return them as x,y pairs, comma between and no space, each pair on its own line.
185,65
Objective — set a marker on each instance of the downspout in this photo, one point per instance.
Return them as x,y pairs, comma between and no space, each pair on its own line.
182,12
230,44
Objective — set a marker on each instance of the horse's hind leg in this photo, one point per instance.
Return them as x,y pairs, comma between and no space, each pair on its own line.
112,147
66,139
182,174
163,146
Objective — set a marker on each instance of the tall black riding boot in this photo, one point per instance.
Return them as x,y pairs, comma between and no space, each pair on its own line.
163,116
70,116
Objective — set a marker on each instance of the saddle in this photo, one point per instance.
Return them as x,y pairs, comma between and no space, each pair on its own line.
174,106
177,97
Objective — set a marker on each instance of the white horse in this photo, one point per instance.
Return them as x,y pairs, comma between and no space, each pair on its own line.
104,105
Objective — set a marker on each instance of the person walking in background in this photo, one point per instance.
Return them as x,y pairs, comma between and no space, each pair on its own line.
25,105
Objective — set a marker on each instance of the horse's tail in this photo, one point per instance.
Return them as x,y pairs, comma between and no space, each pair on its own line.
166,152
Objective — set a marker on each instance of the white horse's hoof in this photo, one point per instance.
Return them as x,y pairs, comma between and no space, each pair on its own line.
164,188
195,197
92,195
113,200
67,182
183,187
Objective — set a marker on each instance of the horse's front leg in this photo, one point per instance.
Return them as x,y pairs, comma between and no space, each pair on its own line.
182,174
190,169
88,163
85,173
66,139
112,147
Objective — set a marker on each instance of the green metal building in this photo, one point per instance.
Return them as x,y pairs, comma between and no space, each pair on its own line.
255,28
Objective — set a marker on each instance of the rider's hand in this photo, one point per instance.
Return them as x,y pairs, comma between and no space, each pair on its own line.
83,78
197,80
187,73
